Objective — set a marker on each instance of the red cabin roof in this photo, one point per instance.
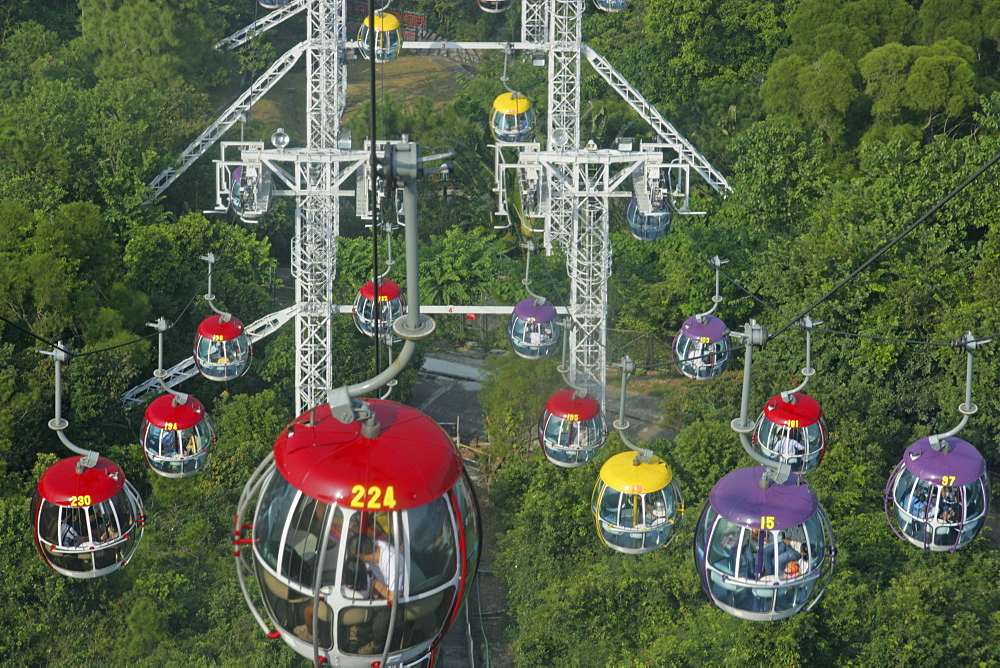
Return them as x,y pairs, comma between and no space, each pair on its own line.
214,328
163,411
410,463
804,412
387,291
563,405
63,486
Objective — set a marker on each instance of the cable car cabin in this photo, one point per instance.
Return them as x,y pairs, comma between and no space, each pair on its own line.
87,522
647,226
512,118
391,306
250,192
938,499
176,435
572,429
637,507
791,431
533,329
388,38
701,347
494,6
763,553
611,6
222,348
348,519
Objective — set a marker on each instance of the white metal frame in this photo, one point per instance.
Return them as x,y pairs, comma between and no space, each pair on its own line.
568,186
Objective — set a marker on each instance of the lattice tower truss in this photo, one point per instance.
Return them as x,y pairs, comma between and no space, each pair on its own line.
317,214
565,185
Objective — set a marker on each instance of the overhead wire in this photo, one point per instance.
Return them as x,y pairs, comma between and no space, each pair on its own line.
895,240
790,322
99,350
373,165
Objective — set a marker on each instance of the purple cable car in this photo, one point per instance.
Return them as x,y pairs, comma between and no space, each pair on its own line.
764,551
533,330
938,499
701,347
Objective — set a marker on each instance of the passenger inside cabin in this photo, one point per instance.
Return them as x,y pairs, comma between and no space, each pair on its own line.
70,529
789,447
949,506
656,512
915,504
168,443
192,447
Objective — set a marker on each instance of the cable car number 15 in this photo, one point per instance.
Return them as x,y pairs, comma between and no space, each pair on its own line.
373,498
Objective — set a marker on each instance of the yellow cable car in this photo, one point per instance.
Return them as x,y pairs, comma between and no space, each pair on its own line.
388,38
512,118
637,506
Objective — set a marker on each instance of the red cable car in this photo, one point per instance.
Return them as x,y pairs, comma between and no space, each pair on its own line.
571,430
222,348
350,517
392,306
176,435
791,430
87,522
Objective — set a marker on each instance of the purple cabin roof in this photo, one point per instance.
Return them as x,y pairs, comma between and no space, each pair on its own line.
739,498
713,328
527,310
963,462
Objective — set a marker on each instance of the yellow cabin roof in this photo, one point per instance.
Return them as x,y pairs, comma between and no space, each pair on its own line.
511,103
384,22
620,473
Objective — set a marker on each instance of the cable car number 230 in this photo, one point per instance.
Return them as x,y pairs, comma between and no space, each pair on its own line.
373,498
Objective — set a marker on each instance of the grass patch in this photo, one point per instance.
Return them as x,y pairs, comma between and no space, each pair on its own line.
405,79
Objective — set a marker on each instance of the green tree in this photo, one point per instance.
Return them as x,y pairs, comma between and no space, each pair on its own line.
164,43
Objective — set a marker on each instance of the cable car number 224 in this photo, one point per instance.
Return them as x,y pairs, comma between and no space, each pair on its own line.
373,498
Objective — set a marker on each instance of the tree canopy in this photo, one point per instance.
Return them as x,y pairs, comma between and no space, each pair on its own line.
839,123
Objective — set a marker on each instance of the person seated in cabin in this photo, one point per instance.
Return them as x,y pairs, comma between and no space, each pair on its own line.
789,447
193,445
70,534
382,560
915,504
949,506
102,528
215,353
656,512
785,552
168,443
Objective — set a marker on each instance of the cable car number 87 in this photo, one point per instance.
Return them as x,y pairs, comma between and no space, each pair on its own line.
373,498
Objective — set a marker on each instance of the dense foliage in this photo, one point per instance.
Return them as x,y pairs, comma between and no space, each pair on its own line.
838,123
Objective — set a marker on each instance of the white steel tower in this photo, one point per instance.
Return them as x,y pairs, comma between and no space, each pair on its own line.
566,186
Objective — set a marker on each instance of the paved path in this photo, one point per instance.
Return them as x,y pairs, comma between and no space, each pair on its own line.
447,385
